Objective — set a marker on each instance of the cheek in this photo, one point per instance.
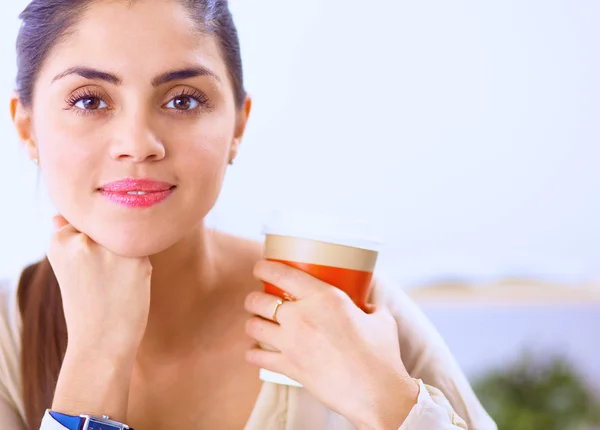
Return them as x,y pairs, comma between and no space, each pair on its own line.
202,169
67,160
203,150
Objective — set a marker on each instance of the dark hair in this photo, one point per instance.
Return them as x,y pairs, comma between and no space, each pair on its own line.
44,331
45,23
43,338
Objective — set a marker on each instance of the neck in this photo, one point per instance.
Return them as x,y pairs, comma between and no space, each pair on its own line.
186,286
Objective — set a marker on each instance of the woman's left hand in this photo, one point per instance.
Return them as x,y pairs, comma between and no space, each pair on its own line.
346,358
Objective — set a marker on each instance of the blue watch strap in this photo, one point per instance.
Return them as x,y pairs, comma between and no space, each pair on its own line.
78,422
68,421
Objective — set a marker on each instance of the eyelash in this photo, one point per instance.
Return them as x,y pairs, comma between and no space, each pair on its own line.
201,98
80,95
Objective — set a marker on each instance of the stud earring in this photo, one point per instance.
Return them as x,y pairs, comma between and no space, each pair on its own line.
36,161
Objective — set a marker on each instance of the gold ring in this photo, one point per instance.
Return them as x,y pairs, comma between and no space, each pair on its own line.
277,304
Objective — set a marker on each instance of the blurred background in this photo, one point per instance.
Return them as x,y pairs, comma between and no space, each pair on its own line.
467,132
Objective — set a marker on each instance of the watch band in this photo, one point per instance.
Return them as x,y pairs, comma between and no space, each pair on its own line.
68,421
84,422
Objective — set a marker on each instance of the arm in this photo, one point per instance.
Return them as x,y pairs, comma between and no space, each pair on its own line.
9,418
95,381
98,396
10,405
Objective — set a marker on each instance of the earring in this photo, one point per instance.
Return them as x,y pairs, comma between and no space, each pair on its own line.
36,161
231,162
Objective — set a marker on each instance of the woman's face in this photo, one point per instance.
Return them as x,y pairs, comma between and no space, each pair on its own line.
135,91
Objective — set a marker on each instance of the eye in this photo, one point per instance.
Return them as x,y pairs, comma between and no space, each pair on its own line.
183,103
91,103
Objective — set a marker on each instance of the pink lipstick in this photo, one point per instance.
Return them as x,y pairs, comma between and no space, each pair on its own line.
137,193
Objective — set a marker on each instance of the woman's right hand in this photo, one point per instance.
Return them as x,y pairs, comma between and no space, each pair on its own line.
106,297
106,300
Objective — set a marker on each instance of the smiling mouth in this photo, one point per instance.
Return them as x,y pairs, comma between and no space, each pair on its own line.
137,193
143,193
138,199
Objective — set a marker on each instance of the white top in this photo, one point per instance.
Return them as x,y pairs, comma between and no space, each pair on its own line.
451,405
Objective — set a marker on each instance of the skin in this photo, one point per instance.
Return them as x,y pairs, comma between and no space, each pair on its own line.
165,309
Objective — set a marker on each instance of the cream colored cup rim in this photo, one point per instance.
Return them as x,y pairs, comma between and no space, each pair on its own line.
367,245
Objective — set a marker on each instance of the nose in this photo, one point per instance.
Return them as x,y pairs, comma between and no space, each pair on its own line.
135,141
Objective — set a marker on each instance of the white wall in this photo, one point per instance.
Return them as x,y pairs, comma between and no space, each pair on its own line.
470,127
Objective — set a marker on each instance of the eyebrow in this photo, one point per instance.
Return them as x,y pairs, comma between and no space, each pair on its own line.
175,75
89,73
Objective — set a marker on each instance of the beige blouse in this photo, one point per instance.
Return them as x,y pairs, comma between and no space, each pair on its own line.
450,405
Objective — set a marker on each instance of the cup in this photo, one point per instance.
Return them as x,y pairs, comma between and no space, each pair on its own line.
336,250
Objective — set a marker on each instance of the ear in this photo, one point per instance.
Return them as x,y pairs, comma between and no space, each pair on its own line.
240,128
21,117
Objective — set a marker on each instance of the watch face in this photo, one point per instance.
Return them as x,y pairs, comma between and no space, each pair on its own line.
95,425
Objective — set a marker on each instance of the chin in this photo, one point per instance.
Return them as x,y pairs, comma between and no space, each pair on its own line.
134,243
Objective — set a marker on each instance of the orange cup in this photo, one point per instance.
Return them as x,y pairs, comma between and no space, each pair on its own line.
339,252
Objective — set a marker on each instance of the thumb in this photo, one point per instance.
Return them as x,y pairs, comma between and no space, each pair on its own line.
59,222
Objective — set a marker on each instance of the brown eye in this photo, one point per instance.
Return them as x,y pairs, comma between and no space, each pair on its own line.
90,103
183,103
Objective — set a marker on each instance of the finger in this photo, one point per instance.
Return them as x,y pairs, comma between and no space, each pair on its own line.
291,280
265,305
264,331
371,309
270,360
64,228
59,222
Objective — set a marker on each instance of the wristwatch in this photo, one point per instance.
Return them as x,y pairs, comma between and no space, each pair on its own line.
87,422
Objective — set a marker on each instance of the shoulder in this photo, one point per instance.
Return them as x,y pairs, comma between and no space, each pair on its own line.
237,255
245,251
10,343
10,317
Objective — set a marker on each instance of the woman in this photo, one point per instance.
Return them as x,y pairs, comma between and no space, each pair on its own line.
132,111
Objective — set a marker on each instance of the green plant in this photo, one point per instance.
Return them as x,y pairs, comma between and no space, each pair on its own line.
536,395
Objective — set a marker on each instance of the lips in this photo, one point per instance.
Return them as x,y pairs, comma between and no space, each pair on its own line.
137,193
131,184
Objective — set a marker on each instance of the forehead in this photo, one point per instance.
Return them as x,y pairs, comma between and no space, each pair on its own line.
136,40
